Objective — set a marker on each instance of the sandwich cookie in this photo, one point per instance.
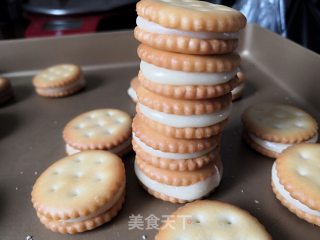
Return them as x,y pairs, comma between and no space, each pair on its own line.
238,90
208,220
296,181
179,186
132,90
101,129
80,192
174,161
191,27
6,92
59,81
271,128
188,119
170,153
154,139
184,76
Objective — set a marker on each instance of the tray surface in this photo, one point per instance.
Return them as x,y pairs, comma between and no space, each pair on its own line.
31,128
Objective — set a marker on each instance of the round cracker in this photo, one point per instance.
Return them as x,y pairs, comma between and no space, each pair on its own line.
191,15
78,185
279,123
57,76
207,219
298,170
98,129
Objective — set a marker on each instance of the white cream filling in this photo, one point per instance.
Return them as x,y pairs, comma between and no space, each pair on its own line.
238,89
156,28
188,193
286,195
132,93
168,155
103,209
118,149
277,147
179,78
81,82
184,121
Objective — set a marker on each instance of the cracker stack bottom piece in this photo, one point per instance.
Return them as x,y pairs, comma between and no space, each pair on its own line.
187,72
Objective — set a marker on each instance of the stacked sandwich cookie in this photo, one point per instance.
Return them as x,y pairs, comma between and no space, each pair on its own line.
187,72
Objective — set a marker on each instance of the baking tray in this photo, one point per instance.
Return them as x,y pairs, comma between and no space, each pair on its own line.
277,70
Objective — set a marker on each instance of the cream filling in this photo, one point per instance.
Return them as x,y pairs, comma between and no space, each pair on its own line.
188,193
238,89
168,155
184,121
132,93
179,78
118,149
156,28
277,147
81,82
286,195
103,209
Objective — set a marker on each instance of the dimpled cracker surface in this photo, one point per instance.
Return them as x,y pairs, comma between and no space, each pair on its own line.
78,185
57,76
279,123
191,15
209,220
298,170
98,129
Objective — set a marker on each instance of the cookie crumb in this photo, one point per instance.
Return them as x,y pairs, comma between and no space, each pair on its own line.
35,173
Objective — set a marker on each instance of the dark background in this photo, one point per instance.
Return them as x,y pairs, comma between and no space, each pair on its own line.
302,19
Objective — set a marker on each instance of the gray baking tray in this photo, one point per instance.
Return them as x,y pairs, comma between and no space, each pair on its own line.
277,70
